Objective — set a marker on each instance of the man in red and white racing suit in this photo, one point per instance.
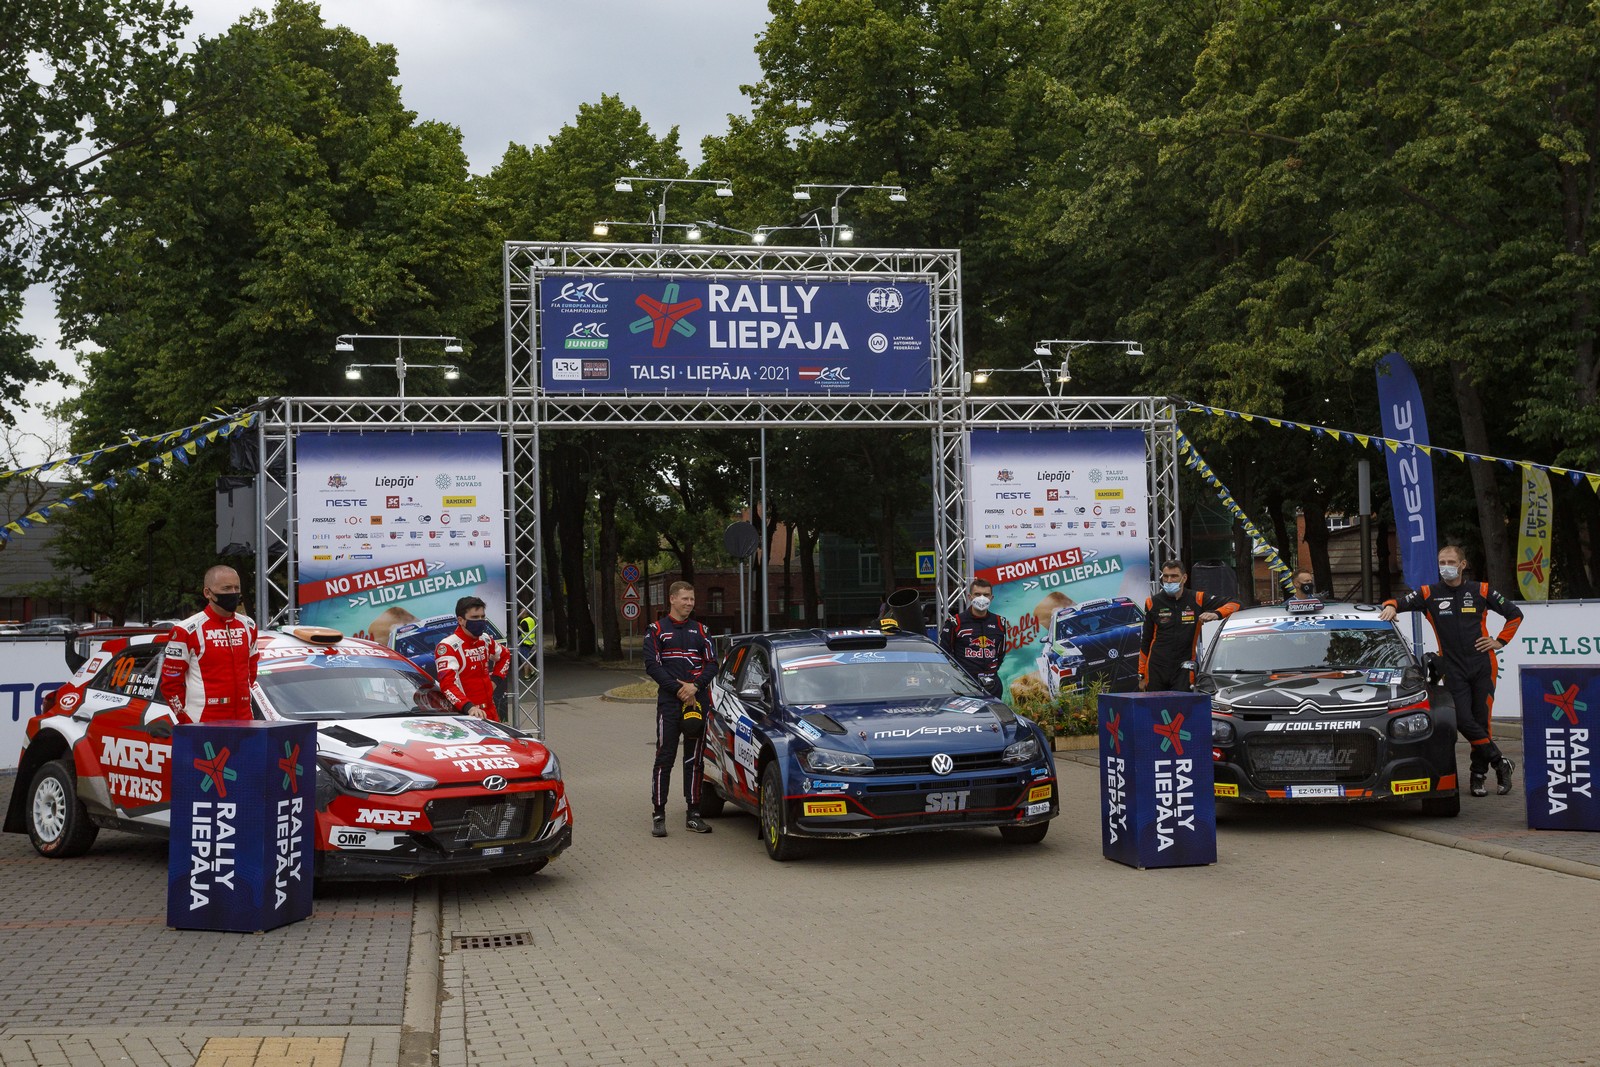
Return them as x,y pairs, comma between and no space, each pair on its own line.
469,660
211,657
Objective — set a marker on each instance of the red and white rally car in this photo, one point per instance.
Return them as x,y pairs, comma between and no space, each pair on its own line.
403,787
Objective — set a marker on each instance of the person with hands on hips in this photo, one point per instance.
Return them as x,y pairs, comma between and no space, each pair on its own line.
679,658
1172,620
469,660
1458,610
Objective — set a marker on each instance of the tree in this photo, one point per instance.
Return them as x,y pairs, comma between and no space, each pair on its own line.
68,68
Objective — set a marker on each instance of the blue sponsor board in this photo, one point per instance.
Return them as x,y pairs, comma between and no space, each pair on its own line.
1560,717
243,811
1157,808
735,335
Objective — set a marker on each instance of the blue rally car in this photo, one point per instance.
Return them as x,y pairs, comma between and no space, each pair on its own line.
1094,640
846,733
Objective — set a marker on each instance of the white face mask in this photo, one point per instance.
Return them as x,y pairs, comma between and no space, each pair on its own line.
981,603
1171,588
1449,572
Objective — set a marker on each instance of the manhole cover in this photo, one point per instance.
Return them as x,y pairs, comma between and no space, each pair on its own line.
466,941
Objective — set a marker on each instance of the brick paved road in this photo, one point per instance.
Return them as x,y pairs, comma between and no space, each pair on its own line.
1312,940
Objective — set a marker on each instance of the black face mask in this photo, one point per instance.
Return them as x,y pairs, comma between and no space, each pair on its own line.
226,601
476,627
1307,588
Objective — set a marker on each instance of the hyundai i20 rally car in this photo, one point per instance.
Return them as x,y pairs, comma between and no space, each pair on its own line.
1326,702
404,787
1097,640
848,733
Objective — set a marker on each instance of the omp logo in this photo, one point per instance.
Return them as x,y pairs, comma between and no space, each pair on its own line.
885,301
1170,730
1566,703
665,316
1114,729
386,817
130,753
291,767
215,770
587,335
580,293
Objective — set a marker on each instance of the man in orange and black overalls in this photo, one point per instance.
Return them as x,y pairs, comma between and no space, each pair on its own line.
1458,610
1172,621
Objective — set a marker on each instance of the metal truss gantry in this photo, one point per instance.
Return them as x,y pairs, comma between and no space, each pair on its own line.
526,411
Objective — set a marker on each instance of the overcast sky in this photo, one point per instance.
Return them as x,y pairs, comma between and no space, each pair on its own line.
516,70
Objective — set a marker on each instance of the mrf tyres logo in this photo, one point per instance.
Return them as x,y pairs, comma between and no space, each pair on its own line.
1568,764
665,317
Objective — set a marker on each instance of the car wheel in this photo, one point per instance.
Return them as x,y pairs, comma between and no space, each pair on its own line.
1442,807
58,823
1024,835
780,846
711,802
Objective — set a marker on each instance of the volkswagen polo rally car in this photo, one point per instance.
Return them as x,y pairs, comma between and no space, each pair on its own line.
1097,640
1326,702
403,787
848,733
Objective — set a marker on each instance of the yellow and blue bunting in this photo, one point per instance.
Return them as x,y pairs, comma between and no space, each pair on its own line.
185,444
1258,543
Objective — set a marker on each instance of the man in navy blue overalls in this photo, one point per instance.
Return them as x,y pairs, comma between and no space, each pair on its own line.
678,655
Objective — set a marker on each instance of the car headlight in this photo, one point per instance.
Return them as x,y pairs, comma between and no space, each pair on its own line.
1021,751
371,778
1221,732
552,769
833,761
1411,727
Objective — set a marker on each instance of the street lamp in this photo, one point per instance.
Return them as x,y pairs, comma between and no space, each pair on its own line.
842,231
692,230
1059,375
345,342
897,194
658,214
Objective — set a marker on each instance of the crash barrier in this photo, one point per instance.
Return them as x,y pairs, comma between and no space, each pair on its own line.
1156,803
1560,719
243,809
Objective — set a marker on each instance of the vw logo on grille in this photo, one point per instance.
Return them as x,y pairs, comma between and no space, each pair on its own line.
943,764
495,782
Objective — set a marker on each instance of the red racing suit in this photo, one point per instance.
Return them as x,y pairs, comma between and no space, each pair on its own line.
209,667
467,667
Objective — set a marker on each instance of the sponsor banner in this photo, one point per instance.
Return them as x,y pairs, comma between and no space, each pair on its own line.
1533,538
396,527
243,812
744,334
1056,518
1410,469
31,668
1157,794
1560,722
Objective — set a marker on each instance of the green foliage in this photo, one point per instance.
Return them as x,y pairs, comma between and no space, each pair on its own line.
1073,713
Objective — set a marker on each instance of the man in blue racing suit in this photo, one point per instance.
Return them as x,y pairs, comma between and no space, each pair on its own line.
976,637
679,657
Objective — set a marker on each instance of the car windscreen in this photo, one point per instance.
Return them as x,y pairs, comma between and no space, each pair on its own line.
1089,623
815,675
351,690
1308,642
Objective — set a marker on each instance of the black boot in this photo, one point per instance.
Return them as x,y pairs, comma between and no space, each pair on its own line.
658,824
696,823
1502,774
1479,782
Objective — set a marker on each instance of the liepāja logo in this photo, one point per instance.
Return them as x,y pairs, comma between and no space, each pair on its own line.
291,767
337,481
1005,475
885,300
214,771
581,294
1170,730
1566,703
665,316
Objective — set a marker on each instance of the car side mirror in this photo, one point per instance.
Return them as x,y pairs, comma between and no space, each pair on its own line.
757,694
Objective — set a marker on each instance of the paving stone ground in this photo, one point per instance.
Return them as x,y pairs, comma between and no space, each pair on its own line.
1315,939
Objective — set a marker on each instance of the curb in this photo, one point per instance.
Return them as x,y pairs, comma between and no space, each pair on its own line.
1499,852
610,698
419,1015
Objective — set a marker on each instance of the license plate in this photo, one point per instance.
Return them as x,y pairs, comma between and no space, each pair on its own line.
1316,791
1304,757
1039,809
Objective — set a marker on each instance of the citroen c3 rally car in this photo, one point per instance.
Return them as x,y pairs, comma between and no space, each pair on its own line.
1326,702
1097,640
404,787
849,733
